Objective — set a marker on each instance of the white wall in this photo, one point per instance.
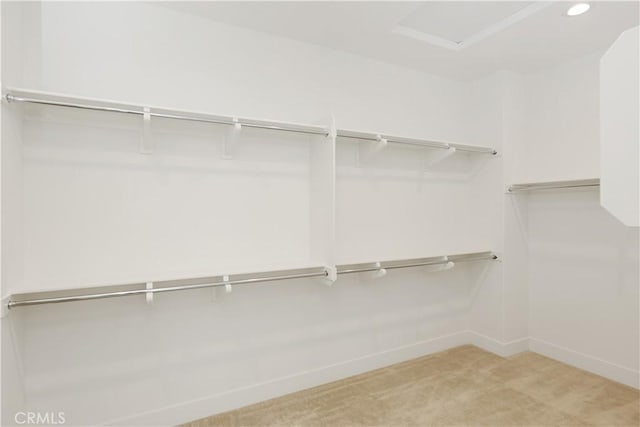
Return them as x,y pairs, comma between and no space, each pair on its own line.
561,132
584,291
583,267
87,190
11,208
285,88
183,212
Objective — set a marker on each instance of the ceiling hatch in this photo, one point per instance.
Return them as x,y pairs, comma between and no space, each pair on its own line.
459,24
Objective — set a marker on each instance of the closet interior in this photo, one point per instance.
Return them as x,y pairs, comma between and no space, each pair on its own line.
206,205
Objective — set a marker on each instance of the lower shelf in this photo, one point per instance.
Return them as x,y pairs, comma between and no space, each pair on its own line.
150,288
553,185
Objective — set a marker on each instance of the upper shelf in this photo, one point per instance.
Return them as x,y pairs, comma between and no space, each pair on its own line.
62,100
414,141
553,185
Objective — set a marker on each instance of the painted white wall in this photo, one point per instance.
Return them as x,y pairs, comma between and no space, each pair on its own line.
413,104
87,189
561,131
582,264
184,212
11,390
620,128
584,284
181,212
486,315
12,183
515,280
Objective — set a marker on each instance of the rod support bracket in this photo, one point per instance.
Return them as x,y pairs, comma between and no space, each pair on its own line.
369,149
4,310
331,275
146,146
443,264
381,141
227,286
231,139
149,295
380,272
436,157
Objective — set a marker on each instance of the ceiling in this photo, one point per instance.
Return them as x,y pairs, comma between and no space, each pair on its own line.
457,39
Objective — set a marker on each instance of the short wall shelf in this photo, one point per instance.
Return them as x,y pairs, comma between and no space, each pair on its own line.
553,185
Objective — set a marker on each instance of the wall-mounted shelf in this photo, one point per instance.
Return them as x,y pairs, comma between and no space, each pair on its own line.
553,185
63,100
414,262
150,288
367,136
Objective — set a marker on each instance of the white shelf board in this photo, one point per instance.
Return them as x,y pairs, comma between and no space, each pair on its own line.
553,185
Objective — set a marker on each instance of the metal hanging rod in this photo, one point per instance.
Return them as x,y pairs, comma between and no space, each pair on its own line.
415,262
415,142
553,185
49,297
45,98
59,100
85,294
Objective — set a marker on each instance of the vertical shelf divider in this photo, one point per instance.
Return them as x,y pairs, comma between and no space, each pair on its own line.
322,198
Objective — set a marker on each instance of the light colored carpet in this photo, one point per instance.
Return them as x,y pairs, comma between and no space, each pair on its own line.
464,386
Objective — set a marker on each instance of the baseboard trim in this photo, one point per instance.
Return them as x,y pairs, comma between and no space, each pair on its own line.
591,364
504,349
233,399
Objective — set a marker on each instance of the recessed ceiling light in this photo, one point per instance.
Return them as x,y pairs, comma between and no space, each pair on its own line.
578,9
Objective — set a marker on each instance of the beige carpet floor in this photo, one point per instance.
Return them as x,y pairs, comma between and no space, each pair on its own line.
464,386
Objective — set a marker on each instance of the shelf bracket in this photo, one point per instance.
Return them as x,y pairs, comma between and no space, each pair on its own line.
444,265
380,272
146,146
149,295
367,150
215,291
231,138
4,310
227,286
436,156
331,275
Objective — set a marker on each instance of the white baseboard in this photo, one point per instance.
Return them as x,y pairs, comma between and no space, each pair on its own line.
221,402
504,349
588,363
233,399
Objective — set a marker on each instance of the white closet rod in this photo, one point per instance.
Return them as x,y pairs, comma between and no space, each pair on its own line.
51,297
46,98
553,185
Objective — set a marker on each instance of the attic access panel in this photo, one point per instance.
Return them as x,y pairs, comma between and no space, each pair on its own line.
458,24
